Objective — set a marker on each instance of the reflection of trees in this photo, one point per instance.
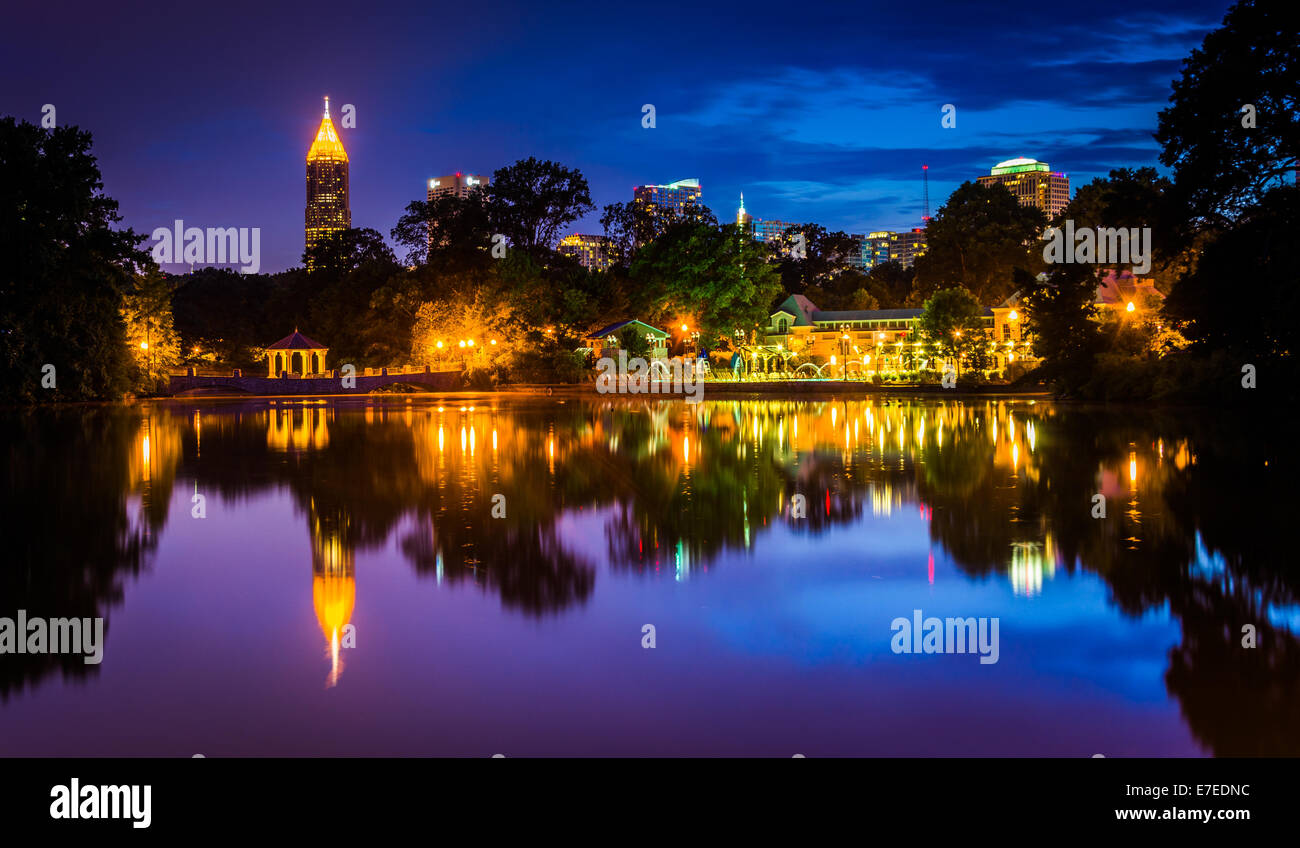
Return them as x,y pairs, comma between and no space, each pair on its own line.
85,495
1168,479
1007,486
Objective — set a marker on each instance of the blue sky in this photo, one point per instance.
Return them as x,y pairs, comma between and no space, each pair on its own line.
819,112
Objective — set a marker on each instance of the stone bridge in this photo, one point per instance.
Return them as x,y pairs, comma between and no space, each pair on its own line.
366,381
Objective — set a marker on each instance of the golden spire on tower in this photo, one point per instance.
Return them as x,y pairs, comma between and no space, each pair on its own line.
327,144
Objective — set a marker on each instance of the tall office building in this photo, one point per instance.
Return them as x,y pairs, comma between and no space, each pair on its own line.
592,252
1033,184
908,246
773,232
458,184
328,211
674,196
744,221
878,248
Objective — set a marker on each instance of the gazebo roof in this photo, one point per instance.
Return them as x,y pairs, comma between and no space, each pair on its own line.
296,341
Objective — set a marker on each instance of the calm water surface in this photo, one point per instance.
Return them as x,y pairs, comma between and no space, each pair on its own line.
371,520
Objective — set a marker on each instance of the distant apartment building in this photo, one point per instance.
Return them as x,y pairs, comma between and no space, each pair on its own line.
1033,183
458,184
908,246
889,246
674,196
592,252
878,248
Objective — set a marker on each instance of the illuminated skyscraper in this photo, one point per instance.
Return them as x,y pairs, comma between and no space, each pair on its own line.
744,220
328,211
592,252
674,196
1033,183
458,184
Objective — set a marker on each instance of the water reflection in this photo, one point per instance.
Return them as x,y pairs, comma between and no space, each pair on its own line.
477,492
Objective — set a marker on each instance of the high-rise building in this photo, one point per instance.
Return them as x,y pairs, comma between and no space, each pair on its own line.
328,211
674,196
888,246
592,252
1033,183
458,184
744,221
773,232
878,248
908,246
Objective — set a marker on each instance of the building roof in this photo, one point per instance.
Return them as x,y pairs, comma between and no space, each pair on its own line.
327,144
1012,166
614,328
296,341
806,313
1116,289
822,315
800,307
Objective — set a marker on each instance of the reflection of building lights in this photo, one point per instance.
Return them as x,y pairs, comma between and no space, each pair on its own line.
1132,467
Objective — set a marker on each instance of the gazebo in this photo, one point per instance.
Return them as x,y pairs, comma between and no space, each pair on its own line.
295,354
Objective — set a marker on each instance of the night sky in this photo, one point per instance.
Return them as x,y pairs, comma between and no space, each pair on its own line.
818,112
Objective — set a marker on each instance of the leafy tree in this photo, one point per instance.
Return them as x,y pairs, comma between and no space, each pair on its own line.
711,273
1060,318
531,200
952,321
446,229
826,256
1256,319
347,250
630,225
632,340
67,268
891,284
1135,198
150,335
1220,166
977,240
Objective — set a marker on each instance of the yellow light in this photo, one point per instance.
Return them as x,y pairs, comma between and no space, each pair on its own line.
494,341
1012,315
684,328
1130,306
832,363
440,344
470,342
144,345
462,342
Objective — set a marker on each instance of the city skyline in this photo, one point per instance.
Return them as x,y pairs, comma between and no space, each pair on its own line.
830,128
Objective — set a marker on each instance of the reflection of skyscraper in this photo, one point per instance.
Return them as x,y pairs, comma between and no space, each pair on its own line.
328,211
333,584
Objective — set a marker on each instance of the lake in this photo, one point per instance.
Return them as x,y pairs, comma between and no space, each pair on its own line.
487,574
